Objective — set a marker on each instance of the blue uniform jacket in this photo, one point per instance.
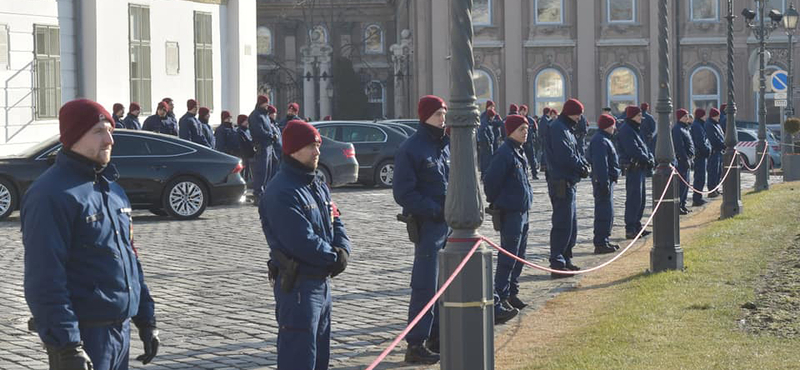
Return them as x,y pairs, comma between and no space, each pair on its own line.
227,139
632,148
245,142
118,123
701,145
189,129
723,121
682,142
131,122
285,121
533,131
421,172
544,126
208,134
155,123
648,128
498,131
173,122
715,136
506,183
564,161
80,264
604,159
581,129
485,136
298,219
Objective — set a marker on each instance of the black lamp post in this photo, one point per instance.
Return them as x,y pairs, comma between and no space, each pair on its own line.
732,187
790,19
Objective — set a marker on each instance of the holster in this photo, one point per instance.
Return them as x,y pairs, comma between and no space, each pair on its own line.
497,217
560,187
287,270
412,227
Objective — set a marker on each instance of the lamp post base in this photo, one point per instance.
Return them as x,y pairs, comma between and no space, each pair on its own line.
666,253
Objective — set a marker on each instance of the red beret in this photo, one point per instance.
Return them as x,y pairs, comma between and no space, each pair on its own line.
298,134
723,107
606,121
191,104
428,105
134,107
546,110
77,117
294,106
645,107
680,113
523,107
554,111
513,122
513,108
167,100
631,111
489,103
699,113
225,114
271,109
117,107
262,99
241,119
490,112
572,107
203,112
163,105
714,112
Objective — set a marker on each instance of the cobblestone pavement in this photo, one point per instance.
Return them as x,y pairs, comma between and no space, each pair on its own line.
214,303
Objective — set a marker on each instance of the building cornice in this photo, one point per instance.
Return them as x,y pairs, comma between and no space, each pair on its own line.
704,41
549,43
623,42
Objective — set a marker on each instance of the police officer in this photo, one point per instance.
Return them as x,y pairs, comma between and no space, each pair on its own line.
648,127
544,124
508,192
160,122
83,280
119,111
131,121
265,136
638,160
580,134
292,112
684,153
248,149
605,172
530,143
227,140
565,168
203,115
702,150
489,104
171,114
498,131
486,140
189,127
308,246
422,167
717,140
723,117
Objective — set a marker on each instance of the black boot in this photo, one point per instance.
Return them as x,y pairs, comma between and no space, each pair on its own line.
503,314
615,246
517,303
603,249
432,344
419,354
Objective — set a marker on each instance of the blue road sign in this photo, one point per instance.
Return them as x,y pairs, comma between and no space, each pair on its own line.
779,81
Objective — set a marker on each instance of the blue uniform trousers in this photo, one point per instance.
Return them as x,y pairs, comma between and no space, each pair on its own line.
565,225
108,346
714,169
634,200
265,165
484,157
304,324
699,177
603,214
683,170
529,153
424,275
513,238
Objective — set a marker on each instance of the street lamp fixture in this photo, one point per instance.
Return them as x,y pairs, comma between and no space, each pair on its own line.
790,19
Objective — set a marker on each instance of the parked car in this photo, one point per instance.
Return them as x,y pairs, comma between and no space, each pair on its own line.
747,140
337,163
406,129
375,145
165,174
413,123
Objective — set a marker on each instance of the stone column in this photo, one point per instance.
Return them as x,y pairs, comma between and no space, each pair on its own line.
309,96
324,82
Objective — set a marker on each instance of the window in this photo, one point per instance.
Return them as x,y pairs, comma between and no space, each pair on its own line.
743,136
704,88
4,57
621,11
376,98
484,86
622,89
481,12
373,39
163,148
549,89
264,41
704,10
549,11
127,146
203,71
328,131
319,34
362,134
173,58
139,41
47,50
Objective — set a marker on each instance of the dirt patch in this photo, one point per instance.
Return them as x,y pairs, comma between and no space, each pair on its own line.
776,308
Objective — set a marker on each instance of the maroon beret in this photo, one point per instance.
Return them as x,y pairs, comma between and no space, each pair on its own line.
572,107
271,109
294,106
606,121
428,105
241,119
513,108
77,117
723,107
489,103
225,114
546,110
298,134
555,111
513,122
631,111
117,107
163,105
699,113
714,113
191,104
134,107
167,100
523,107
680,113
645,107
203,112
262,99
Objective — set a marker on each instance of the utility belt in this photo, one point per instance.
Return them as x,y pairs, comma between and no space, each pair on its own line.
412,227
287,271
560,187
497,217
83,324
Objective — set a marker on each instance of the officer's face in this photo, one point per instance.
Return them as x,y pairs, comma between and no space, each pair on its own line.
309,155
438,118
520,135
96,143
637,118
575,117
161,112
523,112
686,119
273,115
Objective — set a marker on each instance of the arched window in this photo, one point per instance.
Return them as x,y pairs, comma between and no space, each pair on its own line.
376,98
264,41
373,39
622,89
484,86
549,90
482,12
319,34
704,88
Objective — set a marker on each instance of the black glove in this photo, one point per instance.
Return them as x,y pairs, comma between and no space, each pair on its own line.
584,171
149,336
604,190
651,164
69,357
341,261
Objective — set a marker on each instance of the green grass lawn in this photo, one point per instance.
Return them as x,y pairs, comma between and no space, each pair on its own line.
692,319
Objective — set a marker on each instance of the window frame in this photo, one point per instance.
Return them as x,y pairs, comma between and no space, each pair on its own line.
635,96
716,12
383,95
488,75
366,39
489,8
52,58
4,28
204,85
633,13
692,96
271,48
559,99
140,47
536,14
345,126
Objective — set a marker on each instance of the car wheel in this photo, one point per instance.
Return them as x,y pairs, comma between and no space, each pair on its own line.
185,198
158,212
325,175
384,176
8,198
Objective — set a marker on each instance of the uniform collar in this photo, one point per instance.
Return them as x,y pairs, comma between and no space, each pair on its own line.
606,134
85,167
298,171
434,133
632,123
514,145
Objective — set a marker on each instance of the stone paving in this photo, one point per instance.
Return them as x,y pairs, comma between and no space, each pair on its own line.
214,303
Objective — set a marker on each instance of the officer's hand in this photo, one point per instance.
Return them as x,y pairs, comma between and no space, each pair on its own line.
584,171
651,164
341,261
604,190
149,336
70,357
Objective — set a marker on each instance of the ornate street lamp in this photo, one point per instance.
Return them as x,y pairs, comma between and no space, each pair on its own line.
732,187
790,19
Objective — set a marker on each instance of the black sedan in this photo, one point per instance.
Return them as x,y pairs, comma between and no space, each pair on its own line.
164,174
337,163
375,145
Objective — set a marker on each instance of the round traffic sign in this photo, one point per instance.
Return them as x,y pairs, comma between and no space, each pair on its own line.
779,81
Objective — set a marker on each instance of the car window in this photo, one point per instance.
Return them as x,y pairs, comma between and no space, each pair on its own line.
361,134
328,131
127,146
159,147
743,136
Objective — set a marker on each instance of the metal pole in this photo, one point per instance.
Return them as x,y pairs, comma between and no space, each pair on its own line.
790,95
787,148
467,308
731,189
666,253
762,173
